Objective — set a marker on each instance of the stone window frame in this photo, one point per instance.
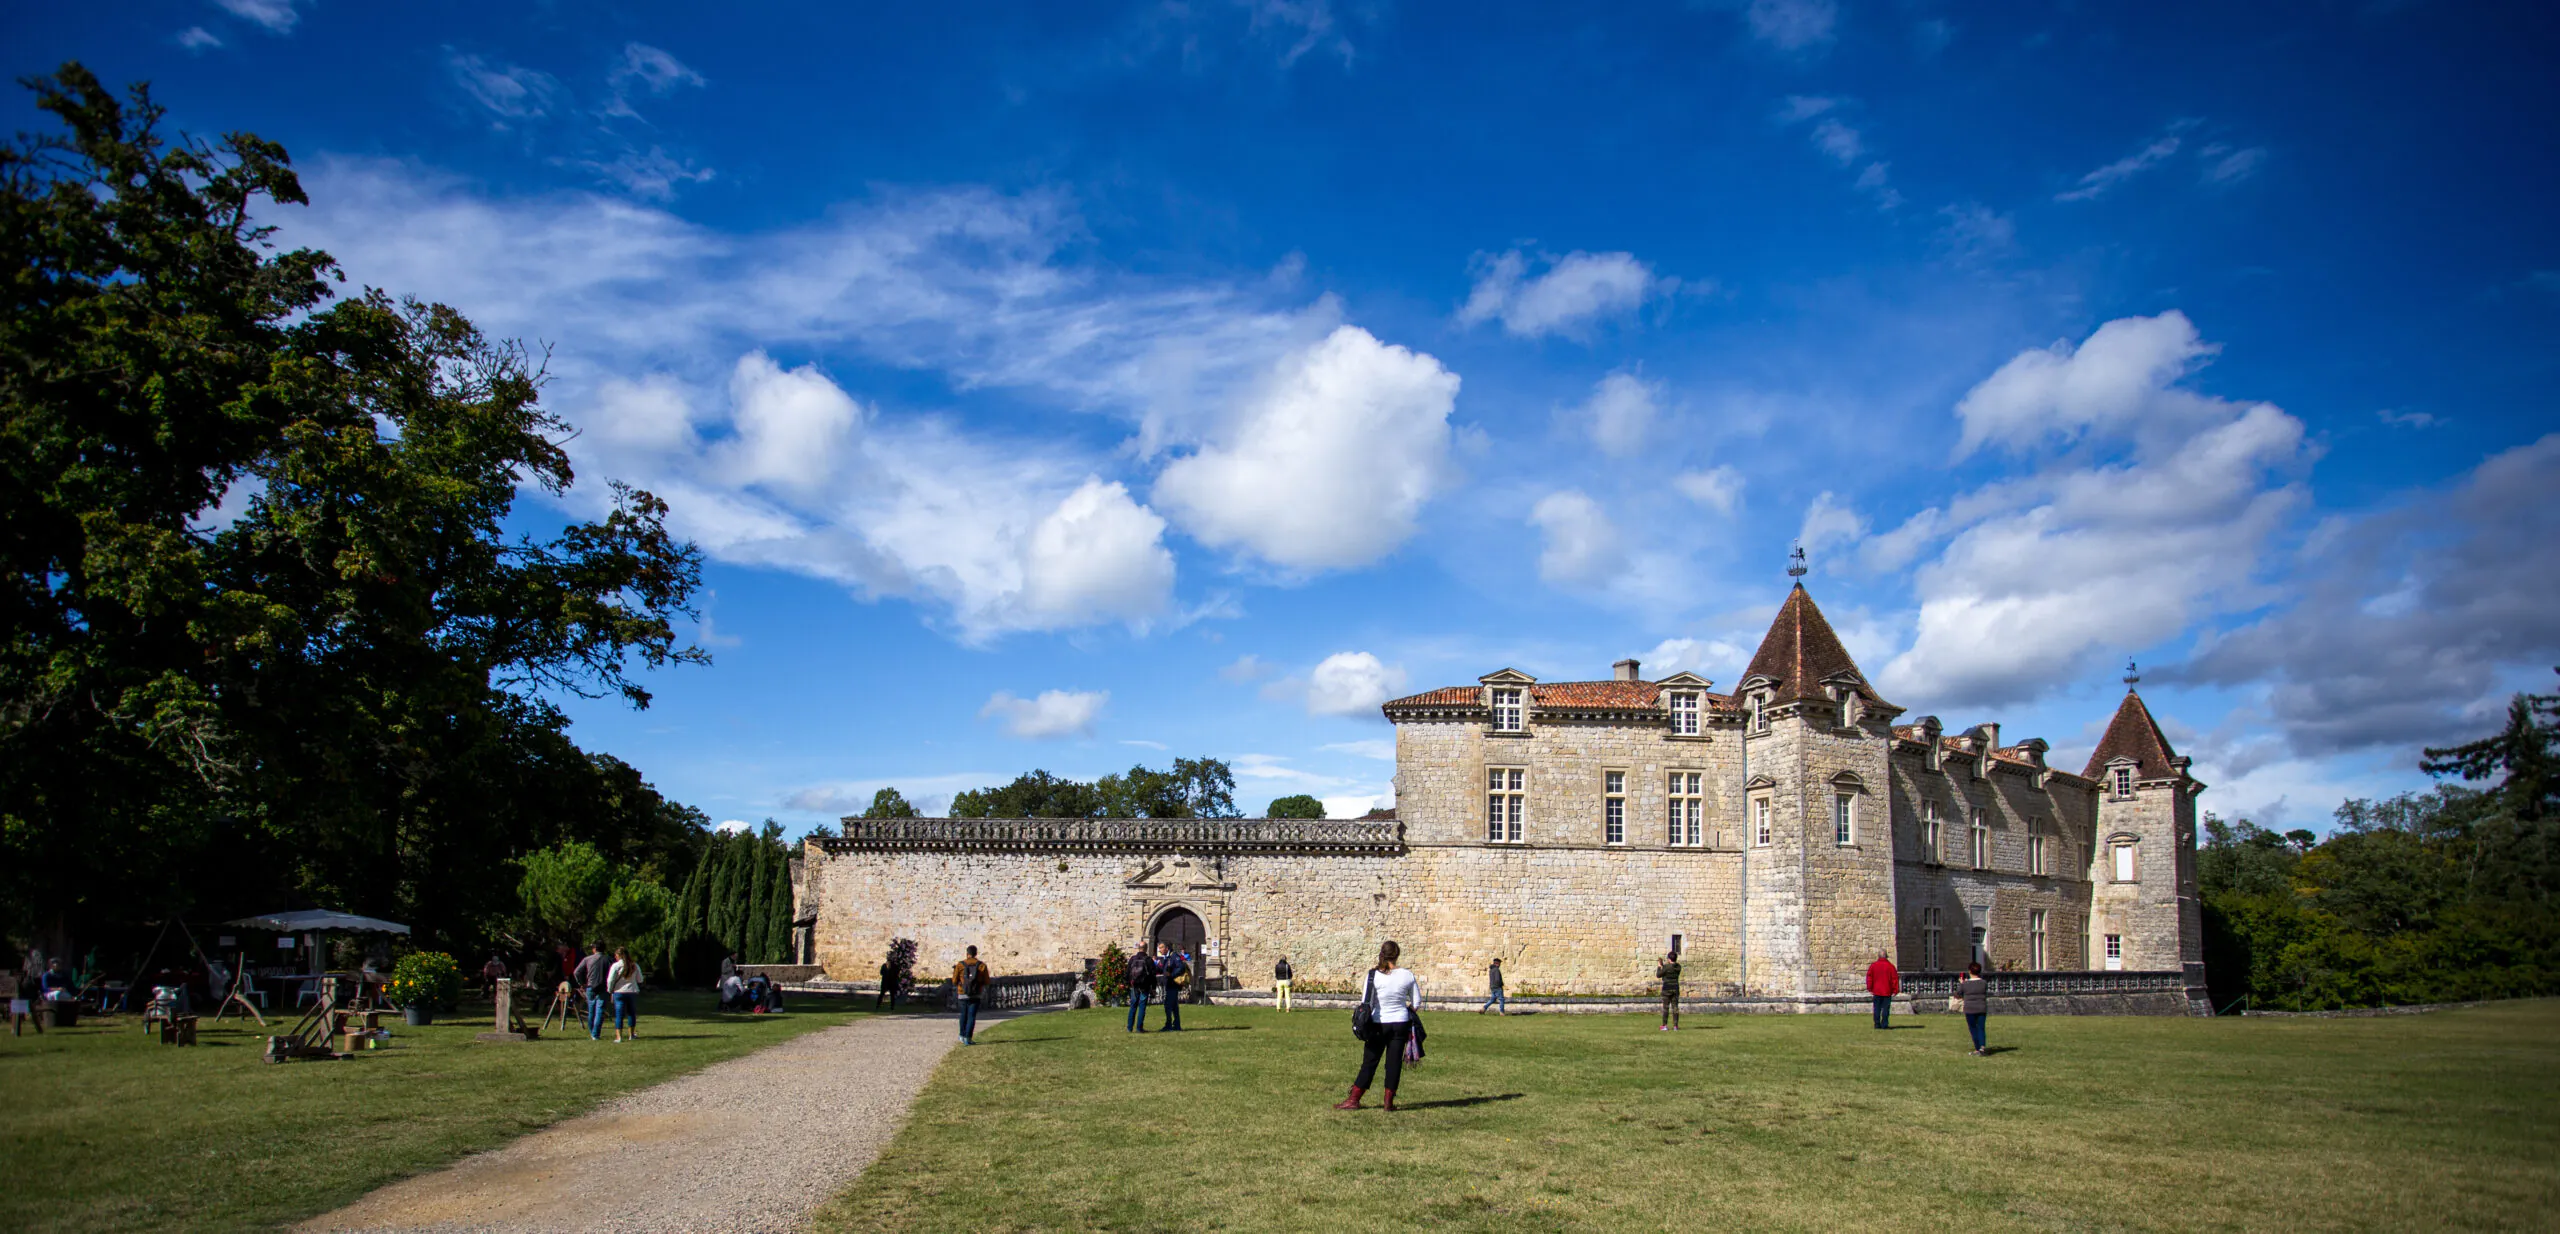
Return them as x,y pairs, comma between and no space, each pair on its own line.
2124,854
2113,956
1613,806
1933,834
1846,788
1515,794
2120,781
1688,713
1511,717
1978,840
2039,956
1932,939
1760,711
1684,808
2038,863
1763,820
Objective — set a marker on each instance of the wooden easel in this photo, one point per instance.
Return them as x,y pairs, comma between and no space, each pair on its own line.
238,994
561,1007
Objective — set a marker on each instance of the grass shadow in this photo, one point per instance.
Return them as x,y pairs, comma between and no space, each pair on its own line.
1998,1049
1020,1040
1452,1103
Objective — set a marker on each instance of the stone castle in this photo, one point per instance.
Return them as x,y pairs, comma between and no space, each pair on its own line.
1778,836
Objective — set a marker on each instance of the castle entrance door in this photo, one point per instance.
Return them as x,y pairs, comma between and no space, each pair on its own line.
1180,929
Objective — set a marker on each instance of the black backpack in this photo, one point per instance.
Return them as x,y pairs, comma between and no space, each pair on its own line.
1364,1018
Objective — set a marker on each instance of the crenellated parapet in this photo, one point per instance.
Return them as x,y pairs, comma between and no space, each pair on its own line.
1204,836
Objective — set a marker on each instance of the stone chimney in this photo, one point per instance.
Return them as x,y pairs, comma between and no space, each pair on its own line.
1987,734
1627,670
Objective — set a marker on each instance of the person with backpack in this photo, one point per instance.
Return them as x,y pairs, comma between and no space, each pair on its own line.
1387,1021
969,980
1142,983
1281,975
590,975
1170,971
1494,1001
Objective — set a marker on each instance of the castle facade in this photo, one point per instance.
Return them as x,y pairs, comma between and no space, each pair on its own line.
1779,835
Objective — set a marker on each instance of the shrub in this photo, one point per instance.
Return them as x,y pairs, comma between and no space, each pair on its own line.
428,978
1111,976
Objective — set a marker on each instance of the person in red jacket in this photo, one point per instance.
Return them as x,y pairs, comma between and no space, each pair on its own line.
1883,982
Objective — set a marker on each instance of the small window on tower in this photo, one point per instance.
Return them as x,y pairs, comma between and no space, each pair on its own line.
2124,781
1760,822
1844,819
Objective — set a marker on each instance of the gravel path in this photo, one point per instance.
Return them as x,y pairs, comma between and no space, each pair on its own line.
750,1144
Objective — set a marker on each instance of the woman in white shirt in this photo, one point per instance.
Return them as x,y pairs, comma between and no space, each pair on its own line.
1393,999
623,982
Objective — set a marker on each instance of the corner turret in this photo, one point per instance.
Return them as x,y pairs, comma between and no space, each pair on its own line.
2144,912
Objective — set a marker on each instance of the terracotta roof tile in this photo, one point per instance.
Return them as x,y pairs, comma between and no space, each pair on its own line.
1801,652
1452,696
2133,734
1609,695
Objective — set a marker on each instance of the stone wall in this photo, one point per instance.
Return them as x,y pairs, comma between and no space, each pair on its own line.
2159,914
1563,920
2004,894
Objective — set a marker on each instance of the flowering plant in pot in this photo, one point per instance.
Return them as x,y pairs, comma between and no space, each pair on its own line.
425,982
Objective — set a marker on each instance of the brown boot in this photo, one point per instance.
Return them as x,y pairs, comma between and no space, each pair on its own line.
1391,1100
1351,1102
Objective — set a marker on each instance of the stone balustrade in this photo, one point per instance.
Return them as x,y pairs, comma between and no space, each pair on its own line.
1186,835
2016,984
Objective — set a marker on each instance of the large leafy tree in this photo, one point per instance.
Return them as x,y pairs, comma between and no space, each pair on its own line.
264,632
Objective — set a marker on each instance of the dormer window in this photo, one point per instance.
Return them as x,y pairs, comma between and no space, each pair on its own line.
2124,781
1684,713
1506,710
1759,713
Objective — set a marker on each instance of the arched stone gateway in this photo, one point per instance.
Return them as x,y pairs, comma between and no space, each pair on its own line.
1180,929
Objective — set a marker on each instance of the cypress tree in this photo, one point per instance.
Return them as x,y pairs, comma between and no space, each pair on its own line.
782,909
715,905
759,901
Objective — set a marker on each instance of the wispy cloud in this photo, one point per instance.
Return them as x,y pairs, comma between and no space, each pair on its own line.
273,16
2158,150
1054,713
1841,142
1572,293
2224,165
197,38
1792,25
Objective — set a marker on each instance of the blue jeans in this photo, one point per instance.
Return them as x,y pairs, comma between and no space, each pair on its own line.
1884,1010
595,1014
1973,1024
1137,1011
1173,1009
968,1018
626,1012
1495,1001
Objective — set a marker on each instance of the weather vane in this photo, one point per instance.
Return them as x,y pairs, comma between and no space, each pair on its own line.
2132,675
1795,562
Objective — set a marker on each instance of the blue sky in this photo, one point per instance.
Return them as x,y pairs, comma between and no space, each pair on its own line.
1074,386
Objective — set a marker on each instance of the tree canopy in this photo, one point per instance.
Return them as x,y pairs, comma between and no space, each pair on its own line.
2425,897
265,633
1299,805
1193,788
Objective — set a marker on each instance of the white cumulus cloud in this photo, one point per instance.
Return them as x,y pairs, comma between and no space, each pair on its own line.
1573,292
1055,713
2157,512
1351,683
1582,546
1717,488
1329,466
1620,413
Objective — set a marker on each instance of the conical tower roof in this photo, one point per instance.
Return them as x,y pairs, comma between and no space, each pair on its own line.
1801,653
2135,735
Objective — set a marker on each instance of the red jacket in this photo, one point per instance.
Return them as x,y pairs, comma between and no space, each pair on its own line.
1883,980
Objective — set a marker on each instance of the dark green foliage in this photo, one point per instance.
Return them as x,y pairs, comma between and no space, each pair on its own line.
1194,788
1111,976
338,695
889,803
737,901
1298,806
2434,897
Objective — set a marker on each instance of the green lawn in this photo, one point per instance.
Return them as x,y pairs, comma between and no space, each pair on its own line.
102,1128
1556,1122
